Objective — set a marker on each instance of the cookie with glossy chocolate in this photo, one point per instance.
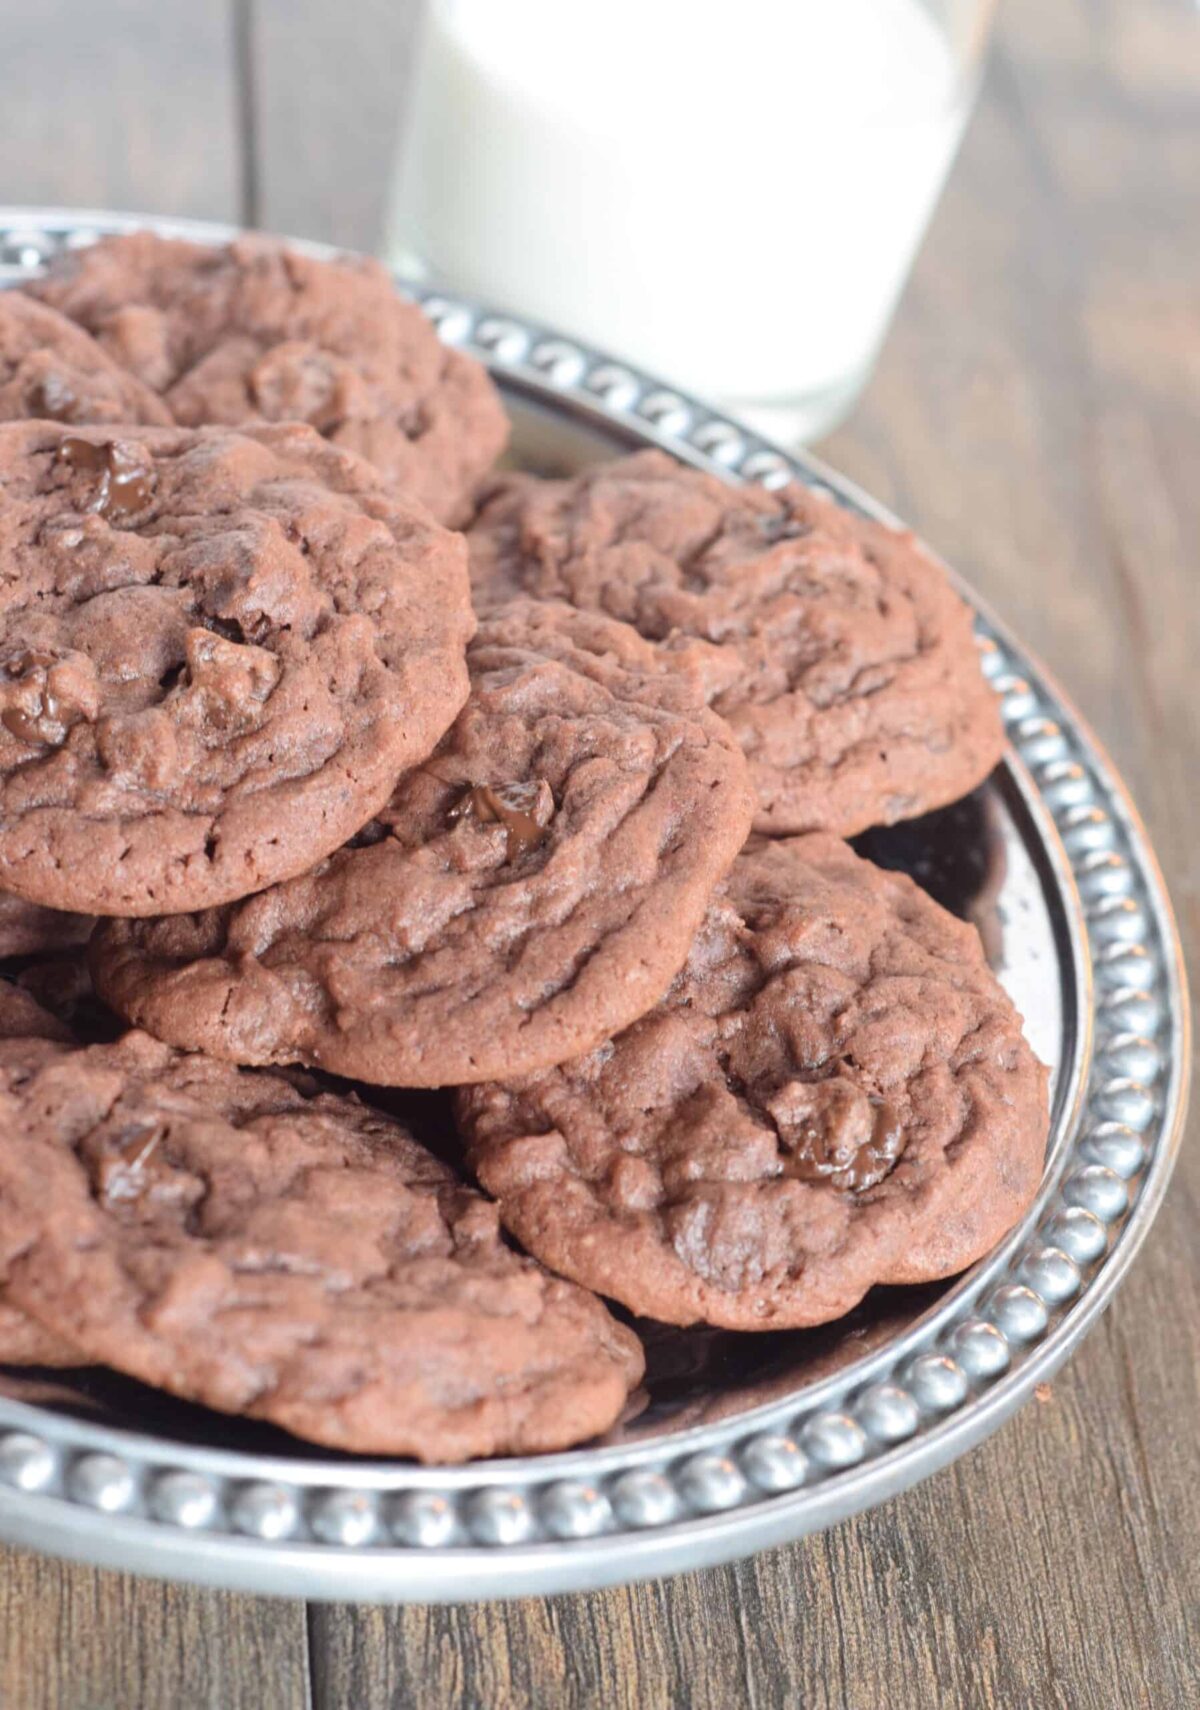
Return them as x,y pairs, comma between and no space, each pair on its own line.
529,891
217,650
836,648
253,331
835,1092
52,370
293,1258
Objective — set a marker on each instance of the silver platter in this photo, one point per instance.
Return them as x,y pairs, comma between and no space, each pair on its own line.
742,1442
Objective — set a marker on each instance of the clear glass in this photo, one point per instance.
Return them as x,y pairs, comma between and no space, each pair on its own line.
729,195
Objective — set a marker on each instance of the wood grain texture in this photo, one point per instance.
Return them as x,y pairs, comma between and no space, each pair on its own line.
125,104
73,1638
329,82
1037,416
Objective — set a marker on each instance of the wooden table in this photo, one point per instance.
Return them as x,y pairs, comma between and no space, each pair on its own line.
1037,416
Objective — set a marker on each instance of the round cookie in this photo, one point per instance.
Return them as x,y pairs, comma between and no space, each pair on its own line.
217,650
835,648
52,370
255,332
529,891
293,1258
26,929
835,1093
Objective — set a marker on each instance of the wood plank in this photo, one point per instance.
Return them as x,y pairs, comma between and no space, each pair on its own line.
129,104
329,81
77,1638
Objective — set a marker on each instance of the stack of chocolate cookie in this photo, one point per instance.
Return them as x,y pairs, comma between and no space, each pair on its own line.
548,812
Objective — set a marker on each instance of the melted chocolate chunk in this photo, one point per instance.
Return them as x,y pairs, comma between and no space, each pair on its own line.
524,810
46,714
126,483
28,727
832,1131
827,1157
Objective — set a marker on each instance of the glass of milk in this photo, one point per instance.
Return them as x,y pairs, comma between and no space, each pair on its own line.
730,195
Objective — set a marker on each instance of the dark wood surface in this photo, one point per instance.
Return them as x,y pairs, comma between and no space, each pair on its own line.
1037,416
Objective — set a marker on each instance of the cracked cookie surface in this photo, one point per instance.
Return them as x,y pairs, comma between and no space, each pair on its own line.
527,892
217,650
52,370
253,331
296,1258
835,1092
837,650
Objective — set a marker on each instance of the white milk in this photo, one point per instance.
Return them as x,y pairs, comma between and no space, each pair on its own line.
729,194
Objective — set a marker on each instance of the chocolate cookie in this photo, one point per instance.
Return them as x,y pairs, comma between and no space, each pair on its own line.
29,930
297,1259
217,650
835,1092
52,370
836,649
256,332
526,893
